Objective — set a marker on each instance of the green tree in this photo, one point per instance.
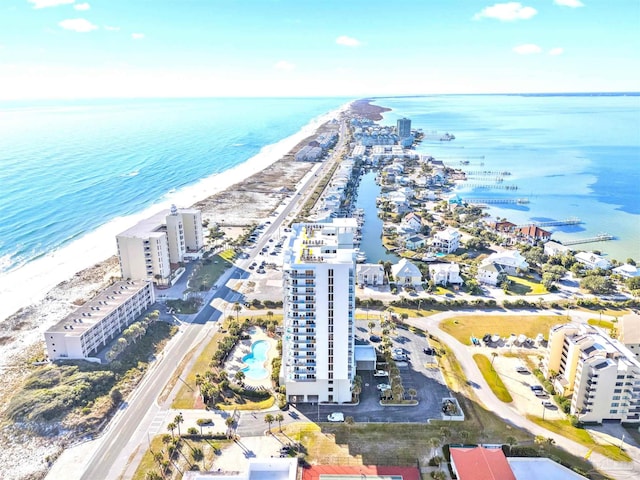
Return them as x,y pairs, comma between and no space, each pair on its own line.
511,441
597,285
116,397
279,418
268,418
171,427
239,376
237,308
178,420
371,324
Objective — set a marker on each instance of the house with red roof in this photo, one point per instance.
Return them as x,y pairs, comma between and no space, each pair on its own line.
480,463
532,234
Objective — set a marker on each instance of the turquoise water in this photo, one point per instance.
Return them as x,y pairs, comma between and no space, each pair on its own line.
255,361
570,155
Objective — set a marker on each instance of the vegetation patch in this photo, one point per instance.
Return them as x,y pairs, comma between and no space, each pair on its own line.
526,286
606,324
209,270
462,328
581,436
491,376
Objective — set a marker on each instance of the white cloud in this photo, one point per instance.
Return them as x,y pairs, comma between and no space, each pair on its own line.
527,49
284,65
569,3
78,25
348,41
137,36
556,51
49,3
506,12
111,28
82,6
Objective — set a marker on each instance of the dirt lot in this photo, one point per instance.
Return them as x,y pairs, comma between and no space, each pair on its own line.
519,384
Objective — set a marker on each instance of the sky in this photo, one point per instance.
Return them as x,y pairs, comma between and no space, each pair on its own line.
350,48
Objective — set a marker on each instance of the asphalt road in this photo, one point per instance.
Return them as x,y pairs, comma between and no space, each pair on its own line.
127,431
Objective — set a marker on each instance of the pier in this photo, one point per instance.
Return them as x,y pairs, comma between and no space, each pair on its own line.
499,186
601,237
487,173
554,223
495,201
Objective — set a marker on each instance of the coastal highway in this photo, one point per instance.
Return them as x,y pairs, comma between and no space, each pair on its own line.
126,435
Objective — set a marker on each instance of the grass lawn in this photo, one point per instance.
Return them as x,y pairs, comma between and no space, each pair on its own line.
462,328
209,270
492,378
187,395
606,324
526,286
581,436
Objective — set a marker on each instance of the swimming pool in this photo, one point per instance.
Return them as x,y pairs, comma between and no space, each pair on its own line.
255,361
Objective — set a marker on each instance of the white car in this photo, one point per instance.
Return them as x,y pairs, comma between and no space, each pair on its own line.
335,417
380,373
522,369
383,386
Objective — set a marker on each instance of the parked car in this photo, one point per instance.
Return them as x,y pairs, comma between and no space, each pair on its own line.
429,351
380,373
375,339
547,404
400,358
335,417
522,369
383,386
536,388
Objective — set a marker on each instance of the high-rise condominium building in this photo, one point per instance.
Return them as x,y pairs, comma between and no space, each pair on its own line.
404,127
600,374
318,361
151,248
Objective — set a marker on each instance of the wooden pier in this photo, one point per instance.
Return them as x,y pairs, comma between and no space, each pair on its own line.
495,201
601,237
554,223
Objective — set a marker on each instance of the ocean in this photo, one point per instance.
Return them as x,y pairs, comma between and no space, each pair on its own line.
568,155
74,174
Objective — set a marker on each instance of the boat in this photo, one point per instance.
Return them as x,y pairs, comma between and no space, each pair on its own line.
522,338
361,257
495,338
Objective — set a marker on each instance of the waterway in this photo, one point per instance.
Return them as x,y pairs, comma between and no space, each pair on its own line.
371,243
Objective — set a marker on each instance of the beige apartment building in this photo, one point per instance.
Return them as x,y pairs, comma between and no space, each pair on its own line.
83,333
599,373
152,248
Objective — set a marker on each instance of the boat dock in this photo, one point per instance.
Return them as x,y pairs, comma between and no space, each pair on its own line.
601,237
554,223
495,201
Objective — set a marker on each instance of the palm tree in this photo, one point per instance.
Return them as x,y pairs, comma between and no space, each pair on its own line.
279,418
371,324
239,376
434,443
178,420
268,418
412,393
236,308
511,441
171,427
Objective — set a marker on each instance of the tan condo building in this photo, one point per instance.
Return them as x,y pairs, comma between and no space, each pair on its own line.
599,373
153,248
82,334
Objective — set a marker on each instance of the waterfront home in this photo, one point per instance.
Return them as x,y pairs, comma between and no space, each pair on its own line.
480,463
532,234
490,274
406,273
309,153
592,260
627,271
415,241
552,248
502,226
398,201
412,222
445,274
446,241
509,261
370,274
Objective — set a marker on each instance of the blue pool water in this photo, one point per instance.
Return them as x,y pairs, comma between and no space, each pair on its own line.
255,361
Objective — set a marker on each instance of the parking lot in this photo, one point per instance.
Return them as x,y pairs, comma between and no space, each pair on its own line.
418,373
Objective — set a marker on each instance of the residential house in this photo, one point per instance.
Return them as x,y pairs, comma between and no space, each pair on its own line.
406,273
592,260
490,274
552,248
509,260
532,234
398,201
503,226
446,241
370,274
445,273
627,271
415,242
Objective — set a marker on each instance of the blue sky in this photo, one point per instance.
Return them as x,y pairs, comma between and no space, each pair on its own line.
158,48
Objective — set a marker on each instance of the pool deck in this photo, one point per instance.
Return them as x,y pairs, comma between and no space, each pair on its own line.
243,347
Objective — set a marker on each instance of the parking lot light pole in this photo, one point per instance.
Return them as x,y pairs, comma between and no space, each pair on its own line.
543,410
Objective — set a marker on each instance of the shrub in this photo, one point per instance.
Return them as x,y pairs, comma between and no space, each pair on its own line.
435,461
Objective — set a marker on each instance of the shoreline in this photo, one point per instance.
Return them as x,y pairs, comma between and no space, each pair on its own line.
99,245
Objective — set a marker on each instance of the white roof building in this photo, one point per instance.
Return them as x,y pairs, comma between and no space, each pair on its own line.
446,241
406,273
592,260
370,274
445,273
627,271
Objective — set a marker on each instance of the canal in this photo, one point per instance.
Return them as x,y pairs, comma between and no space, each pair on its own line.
371,243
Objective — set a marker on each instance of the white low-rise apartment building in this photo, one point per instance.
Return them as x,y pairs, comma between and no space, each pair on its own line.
319,277
83,333
600,374
153,247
